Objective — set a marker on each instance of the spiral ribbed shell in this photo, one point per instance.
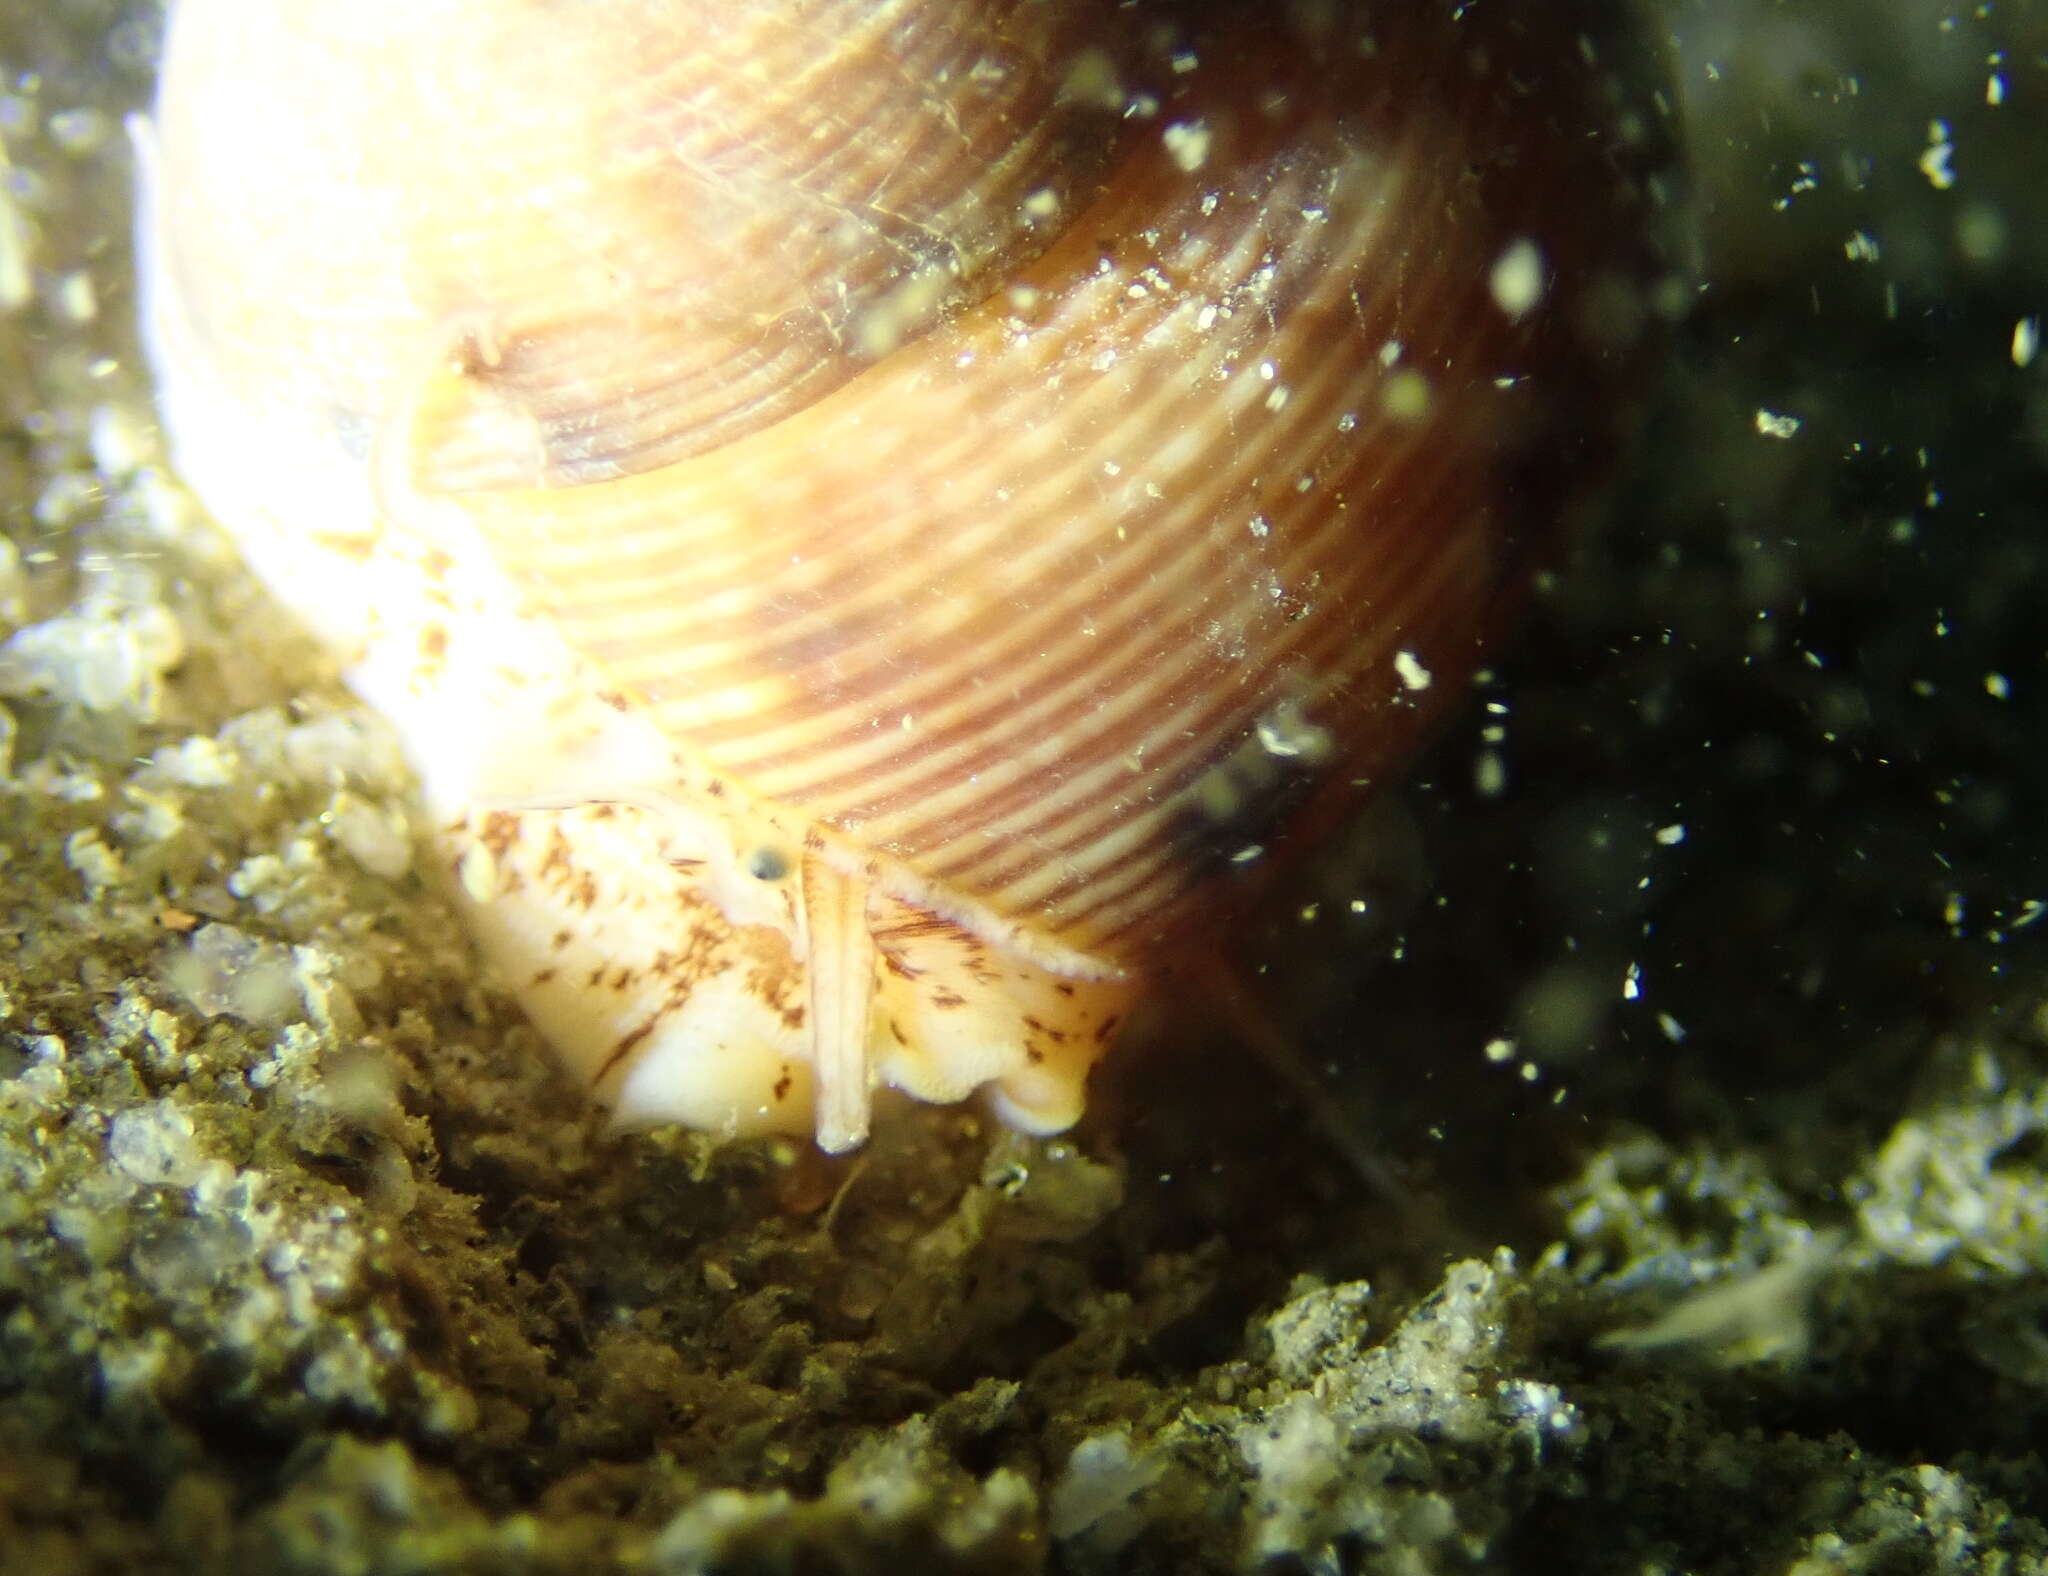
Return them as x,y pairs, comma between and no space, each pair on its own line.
1039,444
661,225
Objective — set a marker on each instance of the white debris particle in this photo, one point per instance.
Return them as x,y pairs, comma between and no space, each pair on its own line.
1997,686
1517,280
1184,61
343,746
76,300
13,583
80,131
1286,732
1674,1031
1261,527
1406,396
1390,352
1539,1409
97,865
1277,399
1500,1050
1412,673
69,497
1102,1477
1092,79
1671,836
1934,162
1187,144
1994,89
1041,205
1632,982
1861,247
166,506
1489,775
2026,341
903,312
17,254
375,838
156,1144
1755,1316
1773,425
119,440
223,971
95,657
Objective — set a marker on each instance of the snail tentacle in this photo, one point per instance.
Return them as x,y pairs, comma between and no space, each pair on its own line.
841,959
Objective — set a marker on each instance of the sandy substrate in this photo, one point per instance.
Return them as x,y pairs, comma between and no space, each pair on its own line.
1697,1004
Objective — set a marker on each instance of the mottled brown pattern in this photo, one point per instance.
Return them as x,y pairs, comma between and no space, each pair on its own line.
359,546
559,862
625,1048
497,832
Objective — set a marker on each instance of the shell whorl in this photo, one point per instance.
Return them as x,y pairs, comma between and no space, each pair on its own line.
569,199
1241,435
1021,451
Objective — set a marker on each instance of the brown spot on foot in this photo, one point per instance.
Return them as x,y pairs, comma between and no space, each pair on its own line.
623,1049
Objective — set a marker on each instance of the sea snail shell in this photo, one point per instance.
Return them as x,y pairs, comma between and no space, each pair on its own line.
861,510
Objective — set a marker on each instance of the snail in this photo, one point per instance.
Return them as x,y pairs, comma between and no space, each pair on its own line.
875,520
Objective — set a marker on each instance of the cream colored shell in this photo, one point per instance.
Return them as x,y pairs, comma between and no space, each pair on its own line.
862,511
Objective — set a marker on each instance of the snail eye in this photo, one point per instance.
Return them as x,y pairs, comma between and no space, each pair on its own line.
766,864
